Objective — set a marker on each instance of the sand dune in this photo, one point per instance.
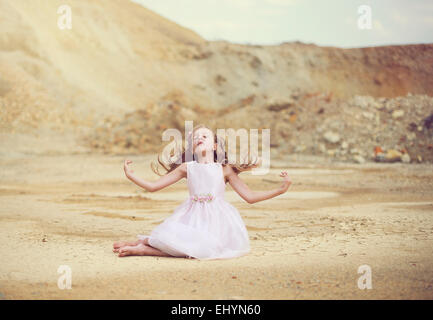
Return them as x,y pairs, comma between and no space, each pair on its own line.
119,57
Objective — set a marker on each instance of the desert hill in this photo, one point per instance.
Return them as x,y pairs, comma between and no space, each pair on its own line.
123,73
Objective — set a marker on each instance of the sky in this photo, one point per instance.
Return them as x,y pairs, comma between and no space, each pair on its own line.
336,23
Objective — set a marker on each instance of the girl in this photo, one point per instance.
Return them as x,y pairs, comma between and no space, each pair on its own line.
204,226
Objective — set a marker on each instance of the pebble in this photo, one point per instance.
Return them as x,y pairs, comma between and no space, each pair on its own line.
359,159
405,158
368,115
397,114
393,155
354,151
331,137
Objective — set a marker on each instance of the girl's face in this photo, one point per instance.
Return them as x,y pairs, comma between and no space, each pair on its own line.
203,140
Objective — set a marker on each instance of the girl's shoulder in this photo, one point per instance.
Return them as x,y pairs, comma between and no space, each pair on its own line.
182,168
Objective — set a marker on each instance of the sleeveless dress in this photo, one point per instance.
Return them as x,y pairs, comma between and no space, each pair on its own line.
205,226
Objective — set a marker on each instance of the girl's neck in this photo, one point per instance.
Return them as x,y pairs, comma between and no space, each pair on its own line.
204,160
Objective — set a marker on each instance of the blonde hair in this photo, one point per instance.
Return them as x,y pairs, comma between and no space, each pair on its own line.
180,155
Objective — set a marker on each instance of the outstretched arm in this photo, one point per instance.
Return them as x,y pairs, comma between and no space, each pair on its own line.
255,196
153,186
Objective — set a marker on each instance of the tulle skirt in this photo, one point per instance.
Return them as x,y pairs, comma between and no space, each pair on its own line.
202,230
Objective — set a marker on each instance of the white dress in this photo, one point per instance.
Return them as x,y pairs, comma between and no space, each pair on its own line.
205,226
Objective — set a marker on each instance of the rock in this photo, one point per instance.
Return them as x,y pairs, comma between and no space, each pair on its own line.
331,137
377,105
405,158
331,152
411,136
300,148
377,119
428,122
412,126
335,125
393,155
362,101
368,115
397,114
359,159
277,106
344,145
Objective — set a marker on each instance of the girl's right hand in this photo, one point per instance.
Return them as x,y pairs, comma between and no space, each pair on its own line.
126,168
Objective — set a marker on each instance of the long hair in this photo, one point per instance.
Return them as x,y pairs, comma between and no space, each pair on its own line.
179,154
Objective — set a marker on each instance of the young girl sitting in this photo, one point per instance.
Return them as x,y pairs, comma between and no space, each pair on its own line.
205,226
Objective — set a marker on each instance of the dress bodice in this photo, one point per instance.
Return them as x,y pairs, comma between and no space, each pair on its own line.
205,178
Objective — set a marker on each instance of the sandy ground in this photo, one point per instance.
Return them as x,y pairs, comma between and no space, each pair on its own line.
306,244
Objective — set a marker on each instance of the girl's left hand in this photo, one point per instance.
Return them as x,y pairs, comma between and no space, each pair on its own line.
287,181
126,168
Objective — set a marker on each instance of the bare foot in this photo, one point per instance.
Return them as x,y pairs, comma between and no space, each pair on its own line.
137,250
141,250
120,244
